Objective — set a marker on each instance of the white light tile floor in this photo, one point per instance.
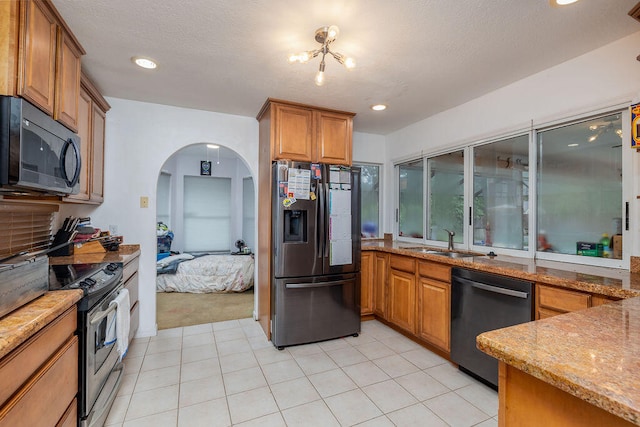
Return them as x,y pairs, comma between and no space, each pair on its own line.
227,374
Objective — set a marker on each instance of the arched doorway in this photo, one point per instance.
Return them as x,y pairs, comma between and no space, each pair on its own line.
205,201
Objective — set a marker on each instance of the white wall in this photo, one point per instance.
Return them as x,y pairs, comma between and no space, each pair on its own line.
140,137
599,79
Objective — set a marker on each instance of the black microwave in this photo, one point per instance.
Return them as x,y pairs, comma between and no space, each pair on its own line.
37,154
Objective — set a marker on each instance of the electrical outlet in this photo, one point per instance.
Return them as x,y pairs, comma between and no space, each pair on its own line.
113,229
144,202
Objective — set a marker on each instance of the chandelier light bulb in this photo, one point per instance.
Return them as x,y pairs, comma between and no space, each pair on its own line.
333,32
350,63
319,78
593,138
293,58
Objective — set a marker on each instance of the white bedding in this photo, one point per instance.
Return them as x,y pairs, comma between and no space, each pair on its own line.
210,273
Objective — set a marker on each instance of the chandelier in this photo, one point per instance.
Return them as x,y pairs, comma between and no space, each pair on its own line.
325,36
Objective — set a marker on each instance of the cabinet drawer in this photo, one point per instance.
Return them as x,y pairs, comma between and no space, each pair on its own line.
45,398
435,271
130,268
562,299
132,286
70,417
20,364
403,263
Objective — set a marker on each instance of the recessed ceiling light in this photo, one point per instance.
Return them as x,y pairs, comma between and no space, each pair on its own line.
213,146
561,2
378,107
144,62
573,145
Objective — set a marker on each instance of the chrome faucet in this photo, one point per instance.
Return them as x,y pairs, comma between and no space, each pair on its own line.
451,234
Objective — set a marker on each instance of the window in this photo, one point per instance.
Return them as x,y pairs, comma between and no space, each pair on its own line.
163,201
552,193
501,193
248,213
445,188
411,206
207,214
579,187
370,200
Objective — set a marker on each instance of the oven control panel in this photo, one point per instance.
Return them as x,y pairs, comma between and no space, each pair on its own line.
100,279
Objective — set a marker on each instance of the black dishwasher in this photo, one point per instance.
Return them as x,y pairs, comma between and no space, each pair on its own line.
482,302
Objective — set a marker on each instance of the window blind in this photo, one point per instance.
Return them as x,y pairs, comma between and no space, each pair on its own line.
207,214
25,227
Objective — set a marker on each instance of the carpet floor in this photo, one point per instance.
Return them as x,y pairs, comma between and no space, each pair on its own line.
174,309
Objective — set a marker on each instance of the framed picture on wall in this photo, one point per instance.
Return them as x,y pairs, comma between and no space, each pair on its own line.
205,168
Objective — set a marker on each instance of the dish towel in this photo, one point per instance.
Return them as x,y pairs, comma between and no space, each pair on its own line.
118,323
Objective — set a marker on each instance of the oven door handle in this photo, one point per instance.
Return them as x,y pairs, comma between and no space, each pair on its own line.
102,314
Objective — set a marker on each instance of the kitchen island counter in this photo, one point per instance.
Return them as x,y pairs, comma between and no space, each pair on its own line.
592,355
612,282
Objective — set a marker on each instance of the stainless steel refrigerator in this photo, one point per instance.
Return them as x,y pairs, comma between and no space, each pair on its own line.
316,252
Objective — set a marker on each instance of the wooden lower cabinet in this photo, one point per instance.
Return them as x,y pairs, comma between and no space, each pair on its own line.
366,284
39,379
402,293
552,301
380,263
526,401
434,312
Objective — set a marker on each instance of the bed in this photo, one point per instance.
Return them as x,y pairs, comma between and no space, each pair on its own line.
205,273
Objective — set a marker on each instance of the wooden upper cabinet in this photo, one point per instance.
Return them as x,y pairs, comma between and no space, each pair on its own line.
40,59
67,81
308,134
293,133
92,108
334,138
97,155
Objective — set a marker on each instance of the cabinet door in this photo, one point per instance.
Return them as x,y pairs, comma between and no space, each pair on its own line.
434,312
67,81
552,301
97,154
333,138
402,298
380,285
293,128
38,58
85,111
366,284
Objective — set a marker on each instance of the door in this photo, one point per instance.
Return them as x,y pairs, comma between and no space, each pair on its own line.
297,223
380,285
315,309
293,137
340,202
402,297
434,312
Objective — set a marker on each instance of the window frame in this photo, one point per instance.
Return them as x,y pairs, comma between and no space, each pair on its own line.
627,209
380,167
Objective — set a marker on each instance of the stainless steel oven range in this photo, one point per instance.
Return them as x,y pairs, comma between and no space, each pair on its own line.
100,373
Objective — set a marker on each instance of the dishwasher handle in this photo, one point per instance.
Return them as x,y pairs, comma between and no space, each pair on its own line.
494,289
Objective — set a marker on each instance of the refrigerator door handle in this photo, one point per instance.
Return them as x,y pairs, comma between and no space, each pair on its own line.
327,220
319,220
315,285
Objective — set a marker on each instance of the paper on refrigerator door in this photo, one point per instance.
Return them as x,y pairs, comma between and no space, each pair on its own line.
340,227
340,252
340,245
299,183
339,202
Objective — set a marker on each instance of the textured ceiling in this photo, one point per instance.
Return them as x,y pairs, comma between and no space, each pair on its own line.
419,57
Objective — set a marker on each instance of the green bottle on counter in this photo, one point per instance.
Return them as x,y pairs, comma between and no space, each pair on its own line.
605,245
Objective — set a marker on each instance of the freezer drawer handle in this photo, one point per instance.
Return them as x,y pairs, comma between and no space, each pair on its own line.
314,285
495,289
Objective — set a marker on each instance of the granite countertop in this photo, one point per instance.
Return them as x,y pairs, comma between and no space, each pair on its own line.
592,354
22,323
124,254
616,283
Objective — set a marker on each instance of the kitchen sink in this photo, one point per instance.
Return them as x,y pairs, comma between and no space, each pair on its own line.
443,253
